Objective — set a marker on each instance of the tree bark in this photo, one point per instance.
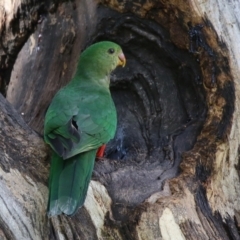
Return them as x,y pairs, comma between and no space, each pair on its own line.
172,171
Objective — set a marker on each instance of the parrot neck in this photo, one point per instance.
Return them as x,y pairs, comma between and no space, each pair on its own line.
90,79
95,68
90,72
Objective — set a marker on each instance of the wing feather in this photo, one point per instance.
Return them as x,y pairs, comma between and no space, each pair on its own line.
83,123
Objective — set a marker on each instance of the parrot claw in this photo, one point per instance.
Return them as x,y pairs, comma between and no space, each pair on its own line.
100,151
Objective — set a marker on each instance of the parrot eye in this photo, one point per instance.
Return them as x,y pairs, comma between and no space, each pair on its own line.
111,50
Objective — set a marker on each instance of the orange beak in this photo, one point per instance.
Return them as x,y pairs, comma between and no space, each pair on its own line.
121,60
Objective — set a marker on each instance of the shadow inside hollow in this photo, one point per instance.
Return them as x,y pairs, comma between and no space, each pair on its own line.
161,108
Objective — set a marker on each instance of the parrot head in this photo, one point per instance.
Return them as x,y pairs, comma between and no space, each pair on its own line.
103,57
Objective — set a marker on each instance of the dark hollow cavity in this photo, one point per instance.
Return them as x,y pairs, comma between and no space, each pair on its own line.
160,103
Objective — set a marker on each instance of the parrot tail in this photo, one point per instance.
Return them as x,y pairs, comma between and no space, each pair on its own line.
68,183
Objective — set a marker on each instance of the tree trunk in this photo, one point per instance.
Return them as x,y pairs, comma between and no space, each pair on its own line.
172,171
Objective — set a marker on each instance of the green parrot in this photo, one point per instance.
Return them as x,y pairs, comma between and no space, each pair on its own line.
80,119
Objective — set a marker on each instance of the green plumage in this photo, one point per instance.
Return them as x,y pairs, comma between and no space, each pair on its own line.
80,119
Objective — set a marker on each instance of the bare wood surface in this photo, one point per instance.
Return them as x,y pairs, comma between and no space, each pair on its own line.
48,59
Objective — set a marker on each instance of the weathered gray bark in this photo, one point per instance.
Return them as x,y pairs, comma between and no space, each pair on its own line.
175,173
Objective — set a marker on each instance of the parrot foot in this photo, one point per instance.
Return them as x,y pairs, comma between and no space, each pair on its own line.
100,151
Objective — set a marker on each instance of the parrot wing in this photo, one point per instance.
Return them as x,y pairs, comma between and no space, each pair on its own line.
74,128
